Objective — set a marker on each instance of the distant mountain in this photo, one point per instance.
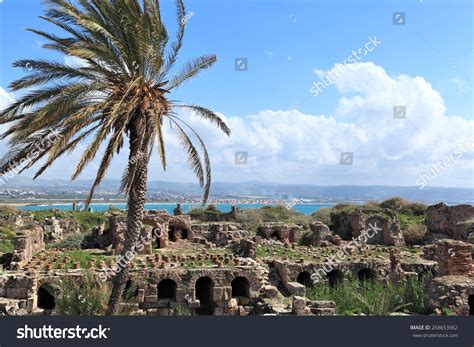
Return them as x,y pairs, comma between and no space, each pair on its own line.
265,189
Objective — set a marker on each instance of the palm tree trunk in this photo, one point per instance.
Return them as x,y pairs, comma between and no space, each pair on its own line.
136,209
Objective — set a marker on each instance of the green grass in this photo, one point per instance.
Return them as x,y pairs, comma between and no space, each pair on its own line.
7,237
81,296
372,297
407,220
85,220
276,250
80,256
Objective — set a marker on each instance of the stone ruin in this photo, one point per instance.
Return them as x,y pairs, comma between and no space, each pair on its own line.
158,227
353,224
455,222
27,243
280,232
453,288
243,282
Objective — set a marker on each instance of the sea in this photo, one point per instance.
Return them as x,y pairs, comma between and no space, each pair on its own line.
100,207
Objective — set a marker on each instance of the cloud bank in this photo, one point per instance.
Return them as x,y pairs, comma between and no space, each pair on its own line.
289,146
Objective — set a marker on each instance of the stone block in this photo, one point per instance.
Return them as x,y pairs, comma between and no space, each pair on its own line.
270,291
296,288
151,298
219,293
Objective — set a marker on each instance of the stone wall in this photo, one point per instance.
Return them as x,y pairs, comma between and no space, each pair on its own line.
158,226
27,243
453,257
320,233
452,221
185,294
280,231
452,293
352,224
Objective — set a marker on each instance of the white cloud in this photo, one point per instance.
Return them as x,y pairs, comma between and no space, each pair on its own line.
293,147
74,61
5,98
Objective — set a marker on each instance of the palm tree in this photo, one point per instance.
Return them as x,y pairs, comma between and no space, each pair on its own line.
120,91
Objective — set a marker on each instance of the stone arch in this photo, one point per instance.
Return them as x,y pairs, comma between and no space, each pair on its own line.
167,289
240,287
157,237
470,301
367,274
335,277
179,228
304,278
46,297
275,235
205,294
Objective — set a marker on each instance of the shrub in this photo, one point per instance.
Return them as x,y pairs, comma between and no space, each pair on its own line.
372,297
182,310
322,215
82,296
71,241
280,213
208,214
306,238
403,206
7,237
415,234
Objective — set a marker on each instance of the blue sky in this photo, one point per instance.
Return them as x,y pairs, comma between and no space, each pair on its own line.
285,42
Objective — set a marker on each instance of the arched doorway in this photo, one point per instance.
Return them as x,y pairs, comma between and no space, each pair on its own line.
275,236
184,234
304,278
240,287
167,289
204,293
172,234
45,296
367,274
156,232
470,301
335,277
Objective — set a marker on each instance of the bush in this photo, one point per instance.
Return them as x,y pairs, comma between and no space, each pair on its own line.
415,234
255,217
403,206
71,241
306,238
82,296
208,214
7,237
322,215
372,297
183,310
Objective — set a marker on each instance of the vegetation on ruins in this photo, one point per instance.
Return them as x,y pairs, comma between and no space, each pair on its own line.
85,220
119,92
6,239
372,297
251,217
71,241
81,296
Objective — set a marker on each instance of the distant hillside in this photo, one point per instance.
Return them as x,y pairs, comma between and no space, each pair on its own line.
266,189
